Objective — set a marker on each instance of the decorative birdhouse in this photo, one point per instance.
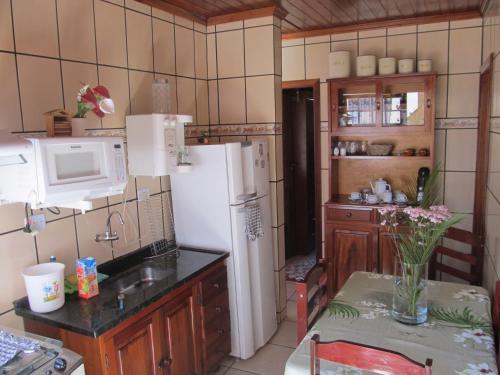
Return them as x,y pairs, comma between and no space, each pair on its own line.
58,123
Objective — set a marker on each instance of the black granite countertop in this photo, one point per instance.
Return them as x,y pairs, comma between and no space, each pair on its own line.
97,315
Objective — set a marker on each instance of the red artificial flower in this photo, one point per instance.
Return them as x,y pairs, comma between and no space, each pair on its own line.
98,112
89,97
102,91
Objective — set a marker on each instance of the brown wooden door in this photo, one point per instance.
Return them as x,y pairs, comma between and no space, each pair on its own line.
180,336
137,349
354,249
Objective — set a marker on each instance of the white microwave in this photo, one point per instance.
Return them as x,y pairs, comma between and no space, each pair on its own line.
67,172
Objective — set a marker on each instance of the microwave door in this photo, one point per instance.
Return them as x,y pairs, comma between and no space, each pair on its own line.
73,163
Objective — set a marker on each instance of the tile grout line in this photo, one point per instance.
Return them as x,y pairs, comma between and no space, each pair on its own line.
16,63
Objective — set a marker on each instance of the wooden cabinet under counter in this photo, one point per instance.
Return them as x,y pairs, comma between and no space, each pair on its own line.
216,328
184,332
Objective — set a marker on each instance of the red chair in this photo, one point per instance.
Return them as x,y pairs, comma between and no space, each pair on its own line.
312,297
365,357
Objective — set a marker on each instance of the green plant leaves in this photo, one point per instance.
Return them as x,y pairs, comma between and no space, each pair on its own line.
460,319
343,310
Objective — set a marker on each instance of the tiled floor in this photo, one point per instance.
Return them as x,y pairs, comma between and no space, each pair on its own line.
270,359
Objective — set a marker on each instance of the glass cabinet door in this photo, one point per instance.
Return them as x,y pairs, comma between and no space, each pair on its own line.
403,104
357,106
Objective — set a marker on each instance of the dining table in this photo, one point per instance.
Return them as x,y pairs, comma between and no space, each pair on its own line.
458,334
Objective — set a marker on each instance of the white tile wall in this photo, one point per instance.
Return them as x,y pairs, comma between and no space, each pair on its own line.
57,50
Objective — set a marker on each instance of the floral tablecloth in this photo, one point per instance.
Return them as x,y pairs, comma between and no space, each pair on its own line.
454,349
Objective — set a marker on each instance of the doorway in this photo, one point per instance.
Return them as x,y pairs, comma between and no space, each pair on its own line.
301,164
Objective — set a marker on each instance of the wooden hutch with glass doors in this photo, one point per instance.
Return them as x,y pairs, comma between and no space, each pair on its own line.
398,110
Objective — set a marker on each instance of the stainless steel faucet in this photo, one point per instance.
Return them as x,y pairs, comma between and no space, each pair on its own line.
108,235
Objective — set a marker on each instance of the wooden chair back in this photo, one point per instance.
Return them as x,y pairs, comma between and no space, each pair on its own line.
474,259
364,357
312,297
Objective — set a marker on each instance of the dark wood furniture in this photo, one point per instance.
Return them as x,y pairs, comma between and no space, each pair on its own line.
364,357
312,297
496,318
464,263
354,241
398,110
186,332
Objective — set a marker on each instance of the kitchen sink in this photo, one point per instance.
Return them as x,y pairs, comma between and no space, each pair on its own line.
140,278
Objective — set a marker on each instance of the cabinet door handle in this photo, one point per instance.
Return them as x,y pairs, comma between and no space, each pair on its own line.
106,357
220,332
428,102
349,214
378,105
334,107
165,364
218,309
216,285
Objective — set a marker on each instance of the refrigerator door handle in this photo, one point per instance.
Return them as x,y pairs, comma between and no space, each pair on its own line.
245,197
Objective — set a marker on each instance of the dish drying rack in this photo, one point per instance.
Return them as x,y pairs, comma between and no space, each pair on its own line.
157,210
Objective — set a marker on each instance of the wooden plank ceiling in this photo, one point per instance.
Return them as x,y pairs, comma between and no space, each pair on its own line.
304,15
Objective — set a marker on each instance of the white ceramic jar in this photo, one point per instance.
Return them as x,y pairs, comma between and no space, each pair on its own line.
424,66
387,65
340,64
406,66
366,65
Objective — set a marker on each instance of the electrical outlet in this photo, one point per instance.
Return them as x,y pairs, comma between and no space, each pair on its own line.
142,194
37,222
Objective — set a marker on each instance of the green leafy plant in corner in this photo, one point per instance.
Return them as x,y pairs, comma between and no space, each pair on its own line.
432,189
461,319
342,309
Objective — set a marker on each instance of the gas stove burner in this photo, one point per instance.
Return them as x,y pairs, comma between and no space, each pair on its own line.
11,345
24,353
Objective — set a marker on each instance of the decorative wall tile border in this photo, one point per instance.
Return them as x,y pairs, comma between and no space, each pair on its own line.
457,123
495,123
246,129
192,131
106,132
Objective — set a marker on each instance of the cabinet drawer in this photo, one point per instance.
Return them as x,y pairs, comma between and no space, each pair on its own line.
216,307
347,214
216,353
213,285
216,330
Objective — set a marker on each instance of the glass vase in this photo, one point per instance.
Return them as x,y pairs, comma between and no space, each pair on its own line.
409,301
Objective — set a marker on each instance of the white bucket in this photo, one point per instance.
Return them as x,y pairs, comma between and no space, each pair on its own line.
45,286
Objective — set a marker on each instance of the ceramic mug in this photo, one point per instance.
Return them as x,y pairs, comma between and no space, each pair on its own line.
355,195
387,197
372,198
400,197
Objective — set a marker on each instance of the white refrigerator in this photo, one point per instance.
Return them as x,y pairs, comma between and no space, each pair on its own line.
209,212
